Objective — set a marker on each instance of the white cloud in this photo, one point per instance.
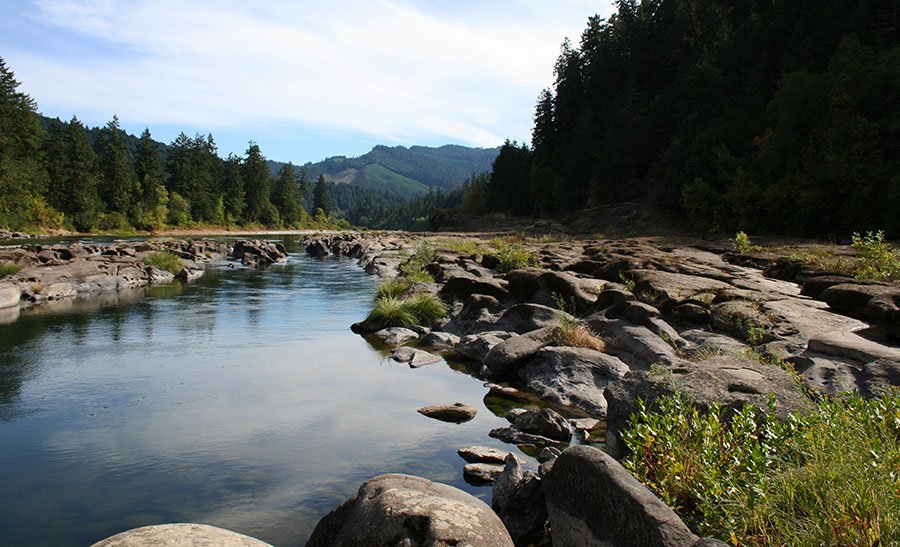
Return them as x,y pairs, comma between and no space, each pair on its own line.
393,69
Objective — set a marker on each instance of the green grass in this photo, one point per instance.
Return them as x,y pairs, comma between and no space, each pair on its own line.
460,245
414,268
392,288
827,478
419,309
164,260
9,268
512,256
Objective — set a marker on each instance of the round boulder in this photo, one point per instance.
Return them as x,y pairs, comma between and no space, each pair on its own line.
406,510
180,535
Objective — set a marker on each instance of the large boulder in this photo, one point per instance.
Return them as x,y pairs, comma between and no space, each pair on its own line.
522,318
853,298
511,354
593,500
180,535
884,311
669,289
582,293
573,377
477,346
545,422
407,510
464,285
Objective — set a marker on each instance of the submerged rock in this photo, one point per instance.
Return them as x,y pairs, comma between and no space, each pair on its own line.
180,535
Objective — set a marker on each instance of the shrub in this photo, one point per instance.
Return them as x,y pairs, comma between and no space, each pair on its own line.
511,256
164,260
742,244
9,268
878,260
826,478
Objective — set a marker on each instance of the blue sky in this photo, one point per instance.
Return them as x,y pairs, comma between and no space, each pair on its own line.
305,80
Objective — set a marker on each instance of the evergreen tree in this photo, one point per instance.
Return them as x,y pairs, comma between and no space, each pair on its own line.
320,196
286,195
257,187
148,170
22,176
80,178
118,186
233,189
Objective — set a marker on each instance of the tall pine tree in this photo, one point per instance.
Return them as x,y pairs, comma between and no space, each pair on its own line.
151,208
286,195
320,197
118,185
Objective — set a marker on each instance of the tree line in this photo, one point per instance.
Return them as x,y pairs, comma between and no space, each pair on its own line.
53,175
779,117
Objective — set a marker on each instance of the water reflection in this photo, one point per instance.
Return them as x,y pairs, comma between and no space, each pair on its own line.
241,400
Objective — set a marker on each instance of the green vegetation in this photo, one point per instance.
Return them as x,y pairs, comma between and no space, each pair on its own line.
742,244
512,256
878,260
827,478
419,309
414,268
164,260
392,288
461,245
9,268
779,117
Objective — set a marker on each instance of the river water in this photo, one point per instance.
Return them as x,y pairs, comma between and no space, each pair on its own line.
241,400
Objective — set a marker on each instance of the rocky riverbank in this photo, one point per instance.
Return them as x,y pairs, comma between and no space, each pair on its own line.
48,273
688,317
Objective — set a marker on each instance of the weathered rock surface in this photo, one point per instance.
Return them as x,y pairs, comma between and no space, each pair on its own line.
593,500
456,412
180,535
396,336
477,346
510,354
545,422
258,253
518,499
482,454
407,510
415,358
479,474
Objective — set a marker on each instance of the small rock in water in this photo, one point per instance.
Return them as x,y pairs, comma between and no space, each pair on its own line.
455,413
414,357
514,413
397,336
478,474
548,453
482,454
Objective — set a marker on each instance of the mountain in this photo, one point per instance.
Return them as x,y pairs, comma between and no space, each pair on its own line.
403,172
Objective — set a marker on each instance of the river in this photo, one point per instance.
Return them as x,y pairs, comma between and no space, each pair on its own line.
241,400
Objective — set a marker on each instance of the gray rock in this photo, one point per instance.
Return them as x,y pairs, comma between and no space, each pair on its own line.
455,413
545,422
573,377
514,436
407,510
511,354
514,413
397,336
180,535
524,283
853,298
813,287
414,357
593,500
880,375
518,499
477,346
692,313
158,276
522,318
479,474
465,285
636,345
670,289
739,318
59,291
477,314
852,345
548,453
9,295
827,373
582,293
884,311
482,454
439,341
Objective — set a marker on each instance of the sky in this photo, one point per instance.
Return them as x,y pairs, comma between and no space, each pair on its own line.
305,80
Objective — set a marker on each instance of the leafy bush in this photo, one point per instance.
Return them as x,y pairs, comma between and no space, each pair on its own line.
511,256
742,244
878,260
9,268
164,260
827,478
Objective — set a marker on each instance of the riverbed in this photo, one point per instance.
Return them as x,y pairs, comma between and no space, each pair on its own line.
241,400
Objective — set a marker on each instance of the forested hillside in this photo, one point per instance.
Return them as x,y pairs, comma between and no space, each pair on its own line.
780,117
56,174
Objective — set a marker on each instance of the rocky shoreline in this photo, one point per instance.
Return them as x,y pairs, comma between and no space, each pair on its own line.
59,272
690,317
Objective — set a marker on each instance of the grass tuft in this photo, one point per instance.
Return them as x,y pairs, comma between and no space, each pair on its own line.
578,335
419,309
392,288
9,268
164,260
512,256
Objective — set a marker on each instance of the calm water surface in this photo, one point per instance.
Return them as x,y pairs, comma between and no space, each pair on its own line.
241,400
